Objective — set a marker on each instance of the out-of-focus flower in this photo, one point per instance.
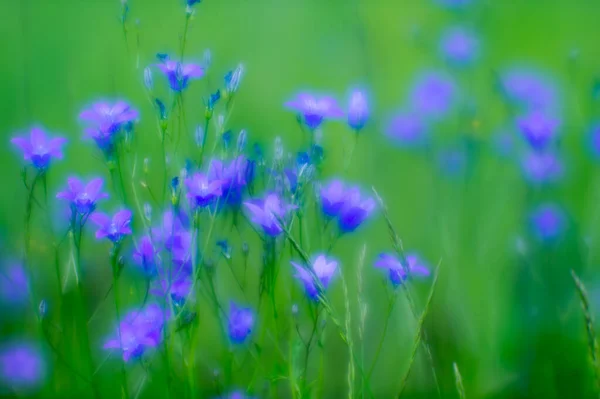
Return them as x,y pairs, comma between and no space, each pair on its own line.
433,95
22,366
14,285
83,197
358,110
397,272
538,129
333,197
323,268
542,167
201,190
529,89
139,331
548,222
354,211
114,228
145,256
459,46
178,74
178,286
105,120
407,129
267,212
234,177
241,323
39,149
314,109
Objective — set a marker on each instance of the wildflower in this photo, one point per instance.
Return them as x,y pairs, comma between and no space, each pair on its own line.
39,149
202,190
177,286
14,285
538,129
233,79
548,221
354,211
145,255
267,212
105,120
241,323
191,3
433,95
83,197
459,46
407,130
22,366
234,177
314,110
323,268
114,228
179,74
545,167
138,331
333,197
358,110
528,88
398,273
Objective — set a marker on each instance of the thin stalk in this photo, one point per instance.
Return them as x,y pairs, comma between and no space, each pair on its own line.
388,315
115,272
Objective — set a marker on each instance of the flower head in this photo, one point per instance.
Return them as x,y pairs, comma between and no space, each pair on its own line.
14,285
22,366
538,129
315,110
433,95
354,211
459,46
138,331
105,120
528,88
542,167
178,286
83,197
233,175
333,197
407,129
145,255
358,110
323,268
179,75
241,323
114,228
38,148
267,212
202,190
398,272
548,222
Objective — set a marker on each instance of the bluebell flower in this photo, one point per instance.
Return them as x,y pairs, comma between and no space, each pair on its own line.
177,286
323,268
397,272
233,175
548,222
22,366
104,120
433,95
528,88
354,211
83,197
538,129
333,197
267,212
139,331
179,75
241,323
459,46
315,109
14,285
542,167
39,149
114,228
358,110
145,255
201,190
407,129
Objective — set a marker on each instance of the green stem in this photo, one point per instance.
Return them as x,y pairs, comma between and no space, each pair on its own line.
382,339
115,273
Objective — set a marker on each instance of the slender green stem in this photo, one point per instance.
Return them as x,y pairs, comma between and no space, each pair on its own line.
115,272
388,315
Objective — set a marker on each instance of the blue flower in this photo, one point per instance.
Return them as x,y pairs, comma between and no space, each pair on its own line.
433,95
542,167
241,323
39,149
358,110
538,129
315,109
201,191
14,285
22,366
407,129
397,272
529,89
234,177
179,75
333,197
83,197
267,212
459,46
104,121
145,255
548,222
354,211
322,267
114,228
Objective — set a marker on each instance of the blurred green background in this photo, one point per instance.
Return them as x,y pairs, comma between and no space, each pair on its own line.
505,310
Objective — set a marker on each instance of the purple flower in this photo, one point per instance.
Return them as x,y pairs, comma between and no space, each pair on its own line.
358,110
542,167
22,366
538,129
241,323
528,88
178,286
267,212
433,95
548,222
315,109
333,197
114,228
39,149
174,234
354,211
323,268
234,176
138,331
180,74
14,285
407,130
145,255
105,120
83,197
202,190
397,272
459,46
